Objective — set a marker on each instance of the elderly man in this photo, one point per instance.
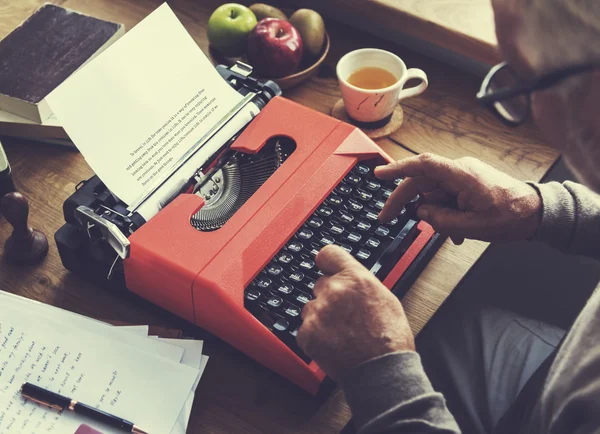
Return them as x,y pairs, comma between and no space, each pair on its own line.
504,373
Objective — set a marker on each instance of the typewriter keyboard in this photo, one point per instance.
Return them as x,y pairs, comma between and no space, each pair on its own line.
349,218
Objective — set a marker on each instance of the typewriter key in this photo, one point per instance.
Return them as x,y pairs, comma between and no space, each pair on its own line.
353,179
285,257
295,246
335,229
303,298
326,240
285,289
373,243
363,225
280,326
291,310
315,222
343,189
372,185
371,215
334,200
363,195
305,234
363,254
307,264
361,169
252,294
382,231
346,217
275,301
263,282
354,205
325,211
346,247
274,269
353,237
296,276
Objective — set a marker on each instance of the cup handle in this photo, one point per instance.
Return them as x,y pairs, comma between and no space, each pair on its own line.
415,90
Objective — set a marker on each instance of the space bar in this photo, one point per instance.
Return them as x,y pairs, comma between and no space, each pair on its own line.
392,254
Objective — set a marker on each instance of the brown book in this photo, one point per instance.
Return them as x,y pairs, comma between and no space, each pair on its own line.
49,131
45,50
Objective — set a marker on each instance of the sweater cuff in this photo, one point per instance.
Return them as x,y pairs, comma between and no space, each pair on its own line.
377,385
558,215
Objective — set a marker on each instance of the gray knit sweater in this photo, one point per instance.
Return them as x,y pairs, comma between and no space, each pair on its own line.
392,394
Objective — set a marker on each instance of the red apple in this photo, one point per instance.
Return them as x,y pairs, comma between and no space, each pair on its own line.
274,48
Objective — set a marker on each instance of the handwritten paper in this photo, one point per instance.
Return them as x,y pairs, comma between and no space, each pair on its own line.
140,105
193,357
43,312
112,376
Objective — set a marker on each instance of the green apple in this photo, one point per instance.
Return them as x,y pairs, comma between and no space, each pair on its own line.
228,28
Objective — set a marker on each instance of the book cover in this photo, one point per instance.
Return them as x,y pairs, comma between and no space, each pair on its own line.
43,51
48,131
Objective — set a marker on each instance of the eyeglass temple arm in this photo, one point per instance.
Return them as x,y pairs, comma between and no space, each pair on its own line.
540,83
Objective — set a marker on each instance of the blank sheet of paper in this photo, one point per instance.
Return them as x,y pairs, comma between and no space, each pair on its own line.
140,105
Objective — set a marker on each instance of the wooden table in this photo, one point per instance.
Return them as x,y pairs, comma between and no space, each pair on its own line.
236,394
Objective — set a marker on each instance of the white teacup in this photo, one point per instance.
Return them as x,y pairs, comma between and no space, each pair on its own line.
372,105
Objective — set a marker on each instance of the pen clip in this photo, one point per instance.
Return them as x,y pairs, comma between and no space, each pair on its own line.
42,403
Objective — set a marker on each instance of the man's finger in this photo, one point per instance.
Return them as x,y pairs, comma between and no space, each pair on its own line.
452,222
333,259
439,197
429,165
404,193
305,338
320,285
307,309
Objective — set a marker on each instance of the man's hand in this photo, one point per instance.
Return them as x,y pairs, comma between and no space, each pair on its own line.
354,318
464,198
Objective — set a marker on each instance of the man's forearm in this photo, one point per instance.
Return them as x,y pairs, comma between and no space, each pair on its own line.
570,218
392,394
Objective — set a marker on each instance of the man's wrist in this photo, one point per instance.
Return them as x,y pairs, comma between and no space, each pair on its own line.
534,219
527,208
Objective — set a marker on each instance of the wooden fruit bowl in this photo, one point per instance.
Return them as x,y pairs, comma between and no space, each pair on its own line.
304,72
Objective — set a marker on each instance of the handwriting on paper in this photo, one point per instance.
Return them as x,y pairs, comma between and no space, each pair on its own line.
54,367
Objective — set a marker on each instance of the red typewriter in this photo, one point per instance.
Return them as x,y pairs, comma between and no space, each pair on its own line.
233,251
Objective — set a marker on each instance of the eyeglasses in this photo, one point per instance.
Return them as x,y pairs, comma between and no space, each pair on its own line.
509,96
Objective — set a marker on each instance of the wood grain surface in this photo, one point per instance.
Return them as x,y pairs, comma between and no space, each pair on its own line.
236,395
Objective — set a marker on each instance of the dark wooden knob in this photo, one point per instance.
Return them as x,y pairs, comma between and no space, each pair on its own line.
25,245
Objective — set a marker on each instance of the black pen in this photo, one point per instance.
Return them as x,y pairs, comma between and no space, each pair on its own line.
58,402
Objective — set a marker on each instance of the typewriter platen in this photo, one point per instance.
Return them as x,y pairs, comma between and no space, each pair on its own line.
233,250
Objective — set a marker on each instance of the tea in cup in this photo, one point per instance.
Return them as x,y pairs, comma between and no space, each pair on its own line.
372,81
